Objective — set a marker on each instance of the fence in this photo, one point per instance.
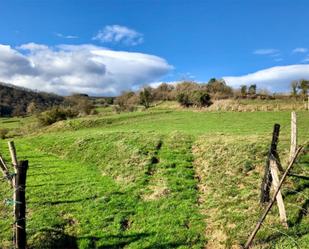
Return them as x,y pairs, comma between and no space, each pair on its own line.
271,178
17,181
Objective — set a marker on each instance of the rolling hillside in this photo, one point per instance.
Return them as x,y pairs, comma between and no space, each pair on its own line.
157,179
14,100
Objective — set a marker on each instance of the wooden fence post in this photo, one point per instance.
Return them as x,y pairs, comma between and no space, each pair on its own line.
20,205
13,153
267,180
280,203
293,135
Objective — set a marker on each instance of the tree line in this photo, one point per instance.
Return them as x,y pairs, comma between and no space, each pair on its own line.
18,101
189,93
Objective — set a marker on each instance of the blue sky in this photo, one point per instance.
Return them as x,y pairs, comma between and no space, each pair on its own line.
167,40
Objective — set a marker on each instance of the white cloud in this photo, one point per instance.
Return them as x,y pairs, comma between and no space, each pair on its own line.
267,51
78,68
119,34
274,79
32,47
300,50
66,36
306,59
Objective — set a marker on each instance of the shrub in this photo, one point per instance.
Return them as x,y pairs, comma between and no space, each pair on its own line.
126,102
183,99
199,98
80,103
146,97
56,114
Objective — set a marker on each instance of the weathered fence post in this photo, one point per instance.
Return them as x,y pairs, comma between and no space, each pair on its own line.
13,154
280,203
267,180
293,134
20,205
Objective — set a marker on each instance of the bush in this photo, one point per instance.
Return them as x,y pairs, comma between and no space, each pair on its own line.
183,99
80,103
199,98
146,97
56,114
126,102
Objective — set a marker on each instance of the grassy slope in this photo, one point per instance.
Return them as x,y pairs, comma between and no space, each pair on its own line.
128,181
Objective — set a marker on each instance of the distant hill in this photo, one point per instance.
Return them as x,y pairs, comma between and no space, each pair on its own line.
14,100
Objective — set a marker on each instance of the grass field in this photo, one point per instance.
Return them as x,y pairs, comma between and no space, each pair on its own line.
162,178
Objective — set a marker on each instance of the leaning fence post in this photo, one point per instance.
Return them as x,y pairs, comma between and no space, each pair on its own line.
293,134
280,203
20,205
267,180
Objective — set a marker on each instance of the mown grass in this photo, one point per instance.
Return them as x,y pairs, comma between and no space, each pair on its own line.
156,179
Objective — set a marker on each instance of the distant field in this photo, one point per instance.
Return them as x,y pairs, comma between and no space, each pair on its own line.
12,123
163,178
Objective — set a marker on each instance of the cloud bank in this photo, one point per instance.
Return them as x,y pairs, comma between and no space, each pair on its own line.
119,34
90,69
277,79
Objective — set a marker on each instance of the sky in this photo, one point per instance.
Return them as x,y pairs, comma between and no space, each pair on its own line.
106,47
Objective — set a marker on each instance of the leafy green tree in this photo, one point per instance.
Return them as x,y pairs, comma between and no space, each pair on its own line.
243,90
303,87
294,88
252,89
146,97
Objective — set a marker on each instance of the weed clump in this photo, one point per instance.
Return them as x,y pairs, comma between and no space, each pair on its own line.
247,166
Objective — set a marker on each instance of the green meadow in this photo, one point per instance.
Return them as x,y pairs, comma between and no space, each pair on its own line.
161,178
